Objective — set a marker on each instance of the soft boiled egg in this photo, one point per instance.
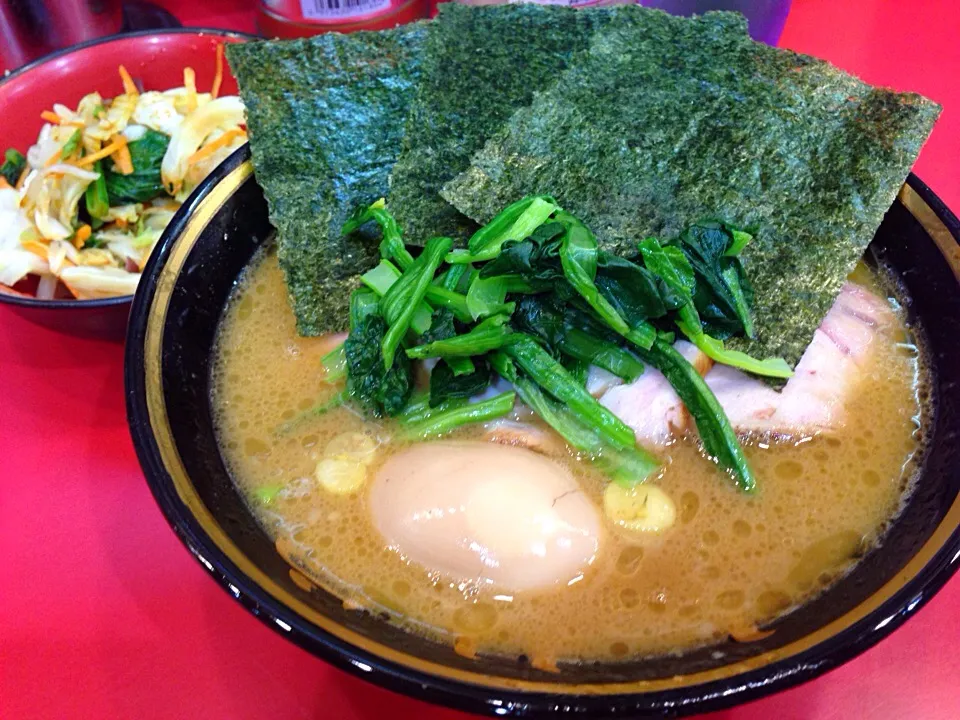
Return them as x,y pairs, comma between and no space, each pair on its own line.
487,514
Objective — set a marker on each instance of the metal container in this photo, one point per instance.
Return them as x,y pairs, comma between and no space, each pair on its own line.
300,18
32,28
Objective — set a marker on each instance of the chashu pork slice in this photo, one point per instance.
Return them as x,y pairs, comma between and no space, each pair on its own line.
649,404
814,399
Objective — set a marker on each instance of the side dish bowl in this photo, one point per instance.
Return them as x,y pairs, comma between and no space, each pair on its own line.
155,58
173,324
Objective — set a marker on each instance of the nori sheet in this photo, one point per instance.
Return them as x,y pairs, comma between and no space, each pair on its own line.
672,120
480,64
326,118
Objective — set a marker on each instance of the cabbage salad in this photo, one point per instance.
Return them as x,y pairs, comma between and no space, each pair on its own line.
84,208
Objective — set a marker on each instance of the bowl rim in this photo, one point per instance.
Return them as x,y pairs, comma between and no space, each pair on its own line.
13,297
886,613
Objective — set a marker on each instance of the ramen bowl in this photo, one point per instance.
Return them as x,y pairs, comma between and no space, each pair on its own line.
173,325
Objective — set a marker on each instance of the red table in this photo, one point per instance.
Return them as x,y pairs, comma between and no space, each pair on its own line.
103,614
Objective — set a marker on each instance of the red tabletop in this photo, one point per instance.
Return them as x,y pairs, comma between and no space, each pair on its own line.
103,614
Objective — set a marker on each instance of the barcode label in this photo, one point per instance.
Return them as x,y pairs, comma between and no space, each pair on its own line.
565,3
322,9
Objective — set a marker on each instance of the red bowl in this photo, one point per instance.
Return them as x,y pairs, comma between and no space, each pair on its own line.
157,60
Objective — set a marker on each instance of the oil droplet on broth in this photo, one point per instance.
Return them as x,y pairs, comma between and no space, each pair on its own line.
730,599
689,504
771,602
788,470
619,649
830,552
629,559
475,618
255,446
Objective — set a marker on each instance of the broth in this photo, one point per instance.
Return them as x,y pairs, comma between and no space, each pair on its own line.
730,563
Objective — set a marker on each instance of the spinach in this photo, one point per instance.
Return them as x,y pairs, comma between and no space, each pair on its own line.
391,244
383,391
716,433
404,297
579,256
553,377
591,350
628,465
573,334
453,414
442,326
445,384
536,259
673,267
144,182
13,164
725,309
488,335
95,196
486,297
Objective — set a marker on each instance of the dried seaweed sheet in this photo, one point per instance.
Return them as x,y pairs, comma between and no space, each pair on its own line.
673,120
326,118
480,64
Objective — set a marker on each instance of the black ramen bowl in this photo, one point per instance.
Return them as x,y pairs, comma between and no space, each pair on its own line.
171,333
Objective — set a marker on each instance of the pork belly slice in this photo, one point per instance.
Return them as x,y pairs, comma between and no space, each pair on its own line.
649,404
815,398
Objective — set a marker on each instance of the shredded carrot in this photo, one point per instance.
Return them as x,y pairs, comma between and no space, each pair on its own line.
67,286
122,160
4,185
116,142
210,148
218,76
51,117
81,236
190,83
129,87
37,248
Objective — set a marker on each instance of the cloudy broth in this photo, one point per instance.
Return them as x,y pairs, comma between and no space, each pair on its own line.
730,563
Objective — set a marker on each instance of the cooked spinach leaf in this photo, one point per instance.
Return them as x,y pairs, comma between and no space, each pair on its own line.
382,391
144,182
13,164
444,384
95,197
